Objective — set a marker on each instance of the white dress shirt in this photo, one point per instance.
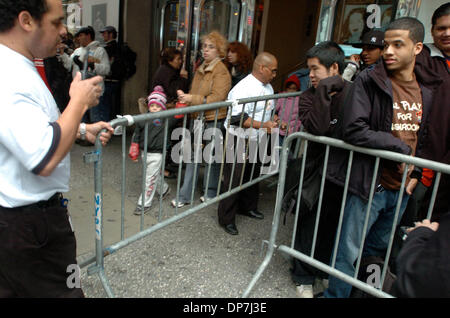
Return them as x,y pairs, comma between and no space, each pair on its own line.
261,111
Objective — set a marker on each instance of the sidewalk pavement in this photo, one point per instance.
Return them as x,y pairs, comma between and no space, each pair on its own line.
192,258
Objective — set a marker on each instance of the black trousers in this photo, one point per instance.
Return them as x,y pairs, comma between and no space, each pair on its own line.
302,273
37,245
245,200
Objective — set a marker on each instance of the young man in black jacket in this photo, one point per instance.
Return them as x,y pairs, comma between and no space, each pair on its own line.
319,109
435,59
386,107
423,265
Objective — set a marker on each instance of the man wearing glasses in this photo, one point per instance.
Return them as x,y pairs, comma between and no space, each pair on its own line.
256,120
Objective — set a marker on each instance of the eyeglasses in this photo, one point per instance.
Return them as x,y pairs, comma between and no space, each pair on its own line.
274,70
210,46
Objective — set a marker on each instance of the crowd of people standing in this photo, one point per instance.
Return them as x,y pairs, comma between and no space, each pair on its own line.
395,100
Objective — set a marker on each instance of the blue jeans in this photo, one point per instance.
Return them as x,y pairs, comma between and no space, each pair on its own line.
102,112
281,139
190,180
379,227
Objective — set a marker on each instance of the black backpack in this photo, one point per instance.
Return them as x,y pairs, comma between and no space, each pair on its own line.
124,65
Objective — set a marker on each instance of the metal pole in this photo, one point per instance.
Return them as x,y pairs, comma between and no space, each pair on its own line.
276,218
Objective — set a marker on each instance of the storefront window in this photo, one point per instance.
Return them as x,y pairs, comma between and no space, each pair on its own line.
356,17
346,21
232,18
324,20
72,14
251,15
171,16
183,24
96,13
408,8
215,15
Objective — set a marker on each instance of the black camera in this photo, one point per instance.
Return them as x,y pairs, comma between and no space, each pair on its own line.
403,231
84,68
86,74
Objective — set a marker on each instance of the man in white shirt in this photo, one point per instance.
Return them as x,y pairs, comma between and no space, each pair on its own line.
37,243
98,62
255,118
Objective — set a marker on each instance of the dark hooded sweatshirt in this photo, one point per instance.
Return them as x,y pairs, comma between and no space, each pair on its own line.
436,146
430,63
319,113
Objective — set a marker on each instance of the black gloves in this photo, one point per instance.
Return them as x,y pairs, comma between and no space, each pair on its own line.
76,60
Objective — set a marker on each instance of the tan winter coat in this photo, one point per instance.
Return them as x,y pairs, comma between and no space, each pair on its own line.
213,83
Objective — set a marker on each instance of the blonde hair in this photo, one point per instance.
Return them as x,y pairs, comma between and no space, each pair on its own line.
219,41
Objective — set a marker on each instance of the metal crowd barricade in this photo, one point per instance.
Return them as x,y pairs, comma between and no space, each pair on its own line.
439,168
96,157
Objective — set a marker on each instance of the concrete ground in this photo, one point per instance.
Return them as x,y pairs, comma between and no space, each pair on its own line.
192,258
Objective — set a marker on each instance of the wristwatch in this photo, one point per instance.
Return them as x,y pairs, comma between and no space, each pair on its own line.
82,131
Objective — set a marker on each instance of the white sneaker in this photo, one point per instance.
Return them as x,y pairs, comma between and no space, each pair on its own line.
319,286
305,291
138,210
204,199
180,204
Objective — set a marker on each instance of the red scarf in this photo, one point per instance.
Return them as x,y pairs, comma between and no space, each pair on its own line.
39,63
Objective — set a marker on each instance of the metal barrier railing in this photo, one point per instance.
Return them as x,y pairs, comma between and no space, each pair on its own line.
96,157
439,168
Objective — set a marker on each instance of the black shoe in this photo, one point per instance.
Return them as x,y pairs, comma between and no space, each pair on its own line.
231,229
253,214
170,175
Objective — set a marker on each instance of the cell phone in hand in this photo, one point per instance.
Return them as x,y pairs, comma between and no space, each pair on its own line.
404,232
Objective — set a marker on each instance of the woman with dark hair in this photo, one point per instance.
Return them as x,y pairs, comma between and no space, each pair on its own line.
170,76
239,61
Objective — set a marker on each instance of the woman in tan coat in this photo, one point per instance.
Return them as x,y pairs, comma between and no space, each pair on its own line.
211,84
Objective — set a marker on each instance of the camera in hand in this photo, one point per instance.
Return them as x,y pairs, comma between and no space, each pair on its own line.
84,69
403,231
86,74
